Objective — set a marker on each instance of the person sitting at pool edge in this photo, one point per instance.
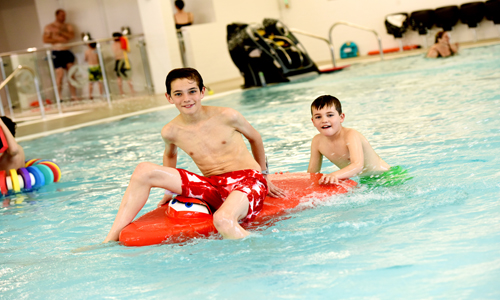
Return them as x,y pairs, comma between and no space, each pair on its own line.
346,148
13,157
442,46
234,183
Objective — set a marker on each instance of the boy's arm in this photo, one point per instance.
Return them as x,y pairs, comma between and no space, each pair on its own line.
353,142
14,148
316,159
257,145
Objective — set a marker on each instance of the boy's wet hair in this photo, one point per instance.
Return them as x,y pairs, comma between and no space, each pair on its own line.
117,35
189,73
326,100
93,45
11,125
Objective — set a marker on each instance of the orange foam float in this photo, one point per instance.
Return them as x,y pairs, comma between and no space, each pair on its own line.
36,173
183,219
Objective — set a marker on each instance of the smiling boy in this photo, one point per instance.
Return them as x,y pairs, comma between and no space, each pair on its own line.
234,182
345,147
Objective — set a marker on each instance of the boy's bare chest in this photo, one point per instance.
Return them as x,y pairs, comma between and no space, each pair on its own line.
207,139
337,152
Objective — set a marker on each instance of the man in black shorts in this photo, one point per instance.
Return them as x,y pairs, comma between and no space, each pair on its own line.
58,33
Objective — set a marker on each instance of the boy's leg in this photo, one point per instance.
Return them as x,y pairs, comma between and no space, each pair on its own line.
226,218
120,86
145,177
91,87
131,86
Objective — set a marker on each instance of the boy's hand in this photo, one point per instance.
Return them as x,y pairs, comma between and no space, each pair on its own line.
165,199
328,179
275,191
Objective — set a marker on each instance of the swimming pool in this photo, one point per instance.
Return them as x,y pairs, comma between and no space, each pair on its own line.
437,236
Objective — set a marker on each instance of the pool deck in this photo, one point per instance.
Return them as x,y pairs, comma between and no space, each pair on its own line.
87,113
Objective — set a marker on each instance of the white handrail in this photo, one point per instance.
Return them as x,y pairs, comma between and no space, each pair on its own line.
317,37
359,27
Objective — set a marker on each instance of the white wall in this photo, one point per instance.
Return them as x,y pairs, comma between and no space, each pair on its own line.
19,27
317,16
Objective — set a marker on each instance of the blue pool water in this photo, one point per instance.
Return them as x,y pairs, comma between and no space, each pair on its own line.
436,237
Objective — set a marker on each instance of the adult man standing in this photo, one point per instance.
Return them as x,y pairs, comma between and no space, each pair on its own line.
58,33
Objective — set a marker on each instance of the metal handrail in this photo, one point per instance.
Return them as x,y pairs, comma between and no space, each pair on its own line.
17,70
317,37
359,27
34,49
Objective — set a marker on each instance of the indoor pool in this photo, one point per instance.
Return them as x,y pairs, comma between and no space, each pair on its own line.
435,237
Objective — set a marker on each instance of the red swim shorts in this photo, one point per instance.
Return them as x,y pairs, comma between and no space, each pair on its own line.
215,189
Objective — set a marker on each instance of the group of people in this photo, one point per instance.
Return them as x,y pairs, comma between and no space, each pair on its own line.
234,182
59,33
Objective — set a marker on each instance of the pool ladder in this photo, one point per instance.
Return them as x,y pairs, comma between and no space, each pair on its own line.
330,42
35,79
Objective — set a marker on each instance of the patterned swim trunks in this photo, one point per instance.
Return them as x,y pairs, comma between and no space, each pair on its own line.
95,73
215,189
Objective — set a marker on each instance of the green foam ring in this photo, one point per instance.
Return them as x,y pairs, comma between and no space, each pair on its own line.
47,173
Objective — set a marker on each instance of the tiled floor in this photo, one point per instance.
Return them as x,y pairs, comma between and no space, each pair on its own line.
85,114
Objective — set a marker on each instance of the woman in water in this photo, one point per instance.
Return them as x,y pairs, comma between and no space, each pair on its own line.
442,46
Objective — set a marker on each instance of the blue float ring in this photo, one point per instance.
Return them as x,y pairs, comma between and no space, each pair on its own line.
47,173
39,178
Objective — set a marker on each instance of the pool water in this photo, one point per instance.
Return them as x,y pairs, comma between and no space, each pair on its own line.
436,236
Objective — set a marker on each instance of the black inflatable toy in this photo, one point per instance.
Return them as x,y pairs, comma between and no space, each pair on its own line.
267,53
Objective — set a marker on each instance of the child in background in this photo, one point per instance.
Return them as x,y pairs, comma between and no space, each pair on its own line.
120,48
95,74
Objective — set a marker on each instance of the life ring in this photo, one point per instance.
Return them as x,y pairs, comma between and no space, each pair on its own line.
36,173
77,76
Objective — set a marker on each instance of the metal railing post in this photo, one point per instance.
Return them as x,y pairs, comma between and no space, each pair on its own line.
7,93
54,83
145,65
35,79
103,72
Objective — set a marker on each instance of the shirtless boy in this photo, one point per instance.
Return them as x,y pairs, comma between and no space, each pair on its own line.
122,64
13,157
345,147
57,33
95,73
234,182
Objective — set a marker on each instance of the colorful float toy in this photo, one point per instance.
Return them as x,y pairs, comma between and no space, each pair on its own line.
36,173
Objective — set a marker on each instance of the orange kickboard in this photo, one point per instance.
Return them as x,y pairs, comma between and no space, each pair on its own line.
156,227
